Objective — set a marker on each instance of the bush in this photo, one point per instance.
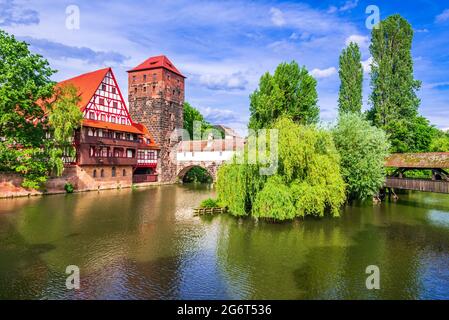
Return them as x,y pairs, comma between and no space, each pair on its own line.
363,149
68,187
209,203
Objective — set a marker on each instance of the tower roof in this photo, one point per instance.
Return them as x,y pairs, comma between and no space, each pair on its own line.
155,63
87,84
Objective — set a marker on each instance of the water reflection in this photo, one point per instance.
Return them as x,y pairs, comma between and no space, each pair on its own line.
146,244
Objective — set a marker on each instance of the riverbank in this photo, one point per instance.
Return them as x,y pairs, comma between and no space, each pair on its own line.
11,186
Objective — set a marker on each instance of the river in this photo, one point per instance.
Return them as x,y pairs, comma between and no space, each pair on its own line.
146,244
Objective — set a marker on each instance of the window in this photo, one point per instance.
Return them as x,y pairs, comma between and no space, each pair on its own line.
124,173
95,173
118,135
123,121
135,90
144,89
113,171
103,87
101,101
154,76
134,78
113,119
144,77
103,117
90,132
100,133
102,173
92,151
115,104
154,89
128,136
114,90
129,153
92,115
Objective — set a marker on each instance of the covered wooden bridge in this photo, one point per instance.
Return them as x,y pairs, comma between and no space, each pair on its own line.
436,163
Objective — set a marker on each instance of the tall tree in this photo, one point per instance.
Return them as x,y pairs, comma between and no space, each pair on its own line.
394,87
291,91
191,114
351,77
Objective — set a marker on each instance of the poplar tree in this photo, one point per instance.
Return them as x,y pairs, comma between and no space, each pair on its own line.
351,77
393,99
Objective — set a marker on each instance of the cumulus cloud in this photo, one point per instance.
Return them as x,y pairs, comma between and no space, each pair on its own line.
367,65
277,17
442,17
323,73
348,5
362,41
235,81
11,14
219,116
58,50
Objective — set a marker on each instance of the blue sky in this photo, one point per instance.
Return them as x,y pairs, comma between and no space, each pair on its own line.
223,47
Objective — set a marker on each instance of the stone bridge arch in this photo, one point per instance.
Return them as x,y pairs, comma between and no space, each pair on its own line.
210,167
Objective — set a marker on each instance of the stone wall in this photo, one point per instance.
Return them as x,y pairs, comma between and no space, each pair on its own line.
82,178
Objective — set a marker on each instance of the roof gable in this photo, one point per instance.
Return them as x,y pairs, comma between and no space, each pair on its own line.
87,84
157,62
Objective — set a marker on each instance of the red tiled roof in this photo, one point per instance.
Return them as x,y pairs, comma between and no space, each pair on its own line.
87,84
111,126
155,63
147,134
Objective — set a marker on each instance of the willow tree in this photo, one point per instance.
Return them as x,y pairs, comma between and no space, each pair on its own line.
307,182
290,91
394,98
351,80
363,149
63,119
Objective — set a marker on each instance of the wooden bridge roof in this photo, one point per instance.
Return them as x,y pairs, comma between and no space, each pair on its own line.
432,160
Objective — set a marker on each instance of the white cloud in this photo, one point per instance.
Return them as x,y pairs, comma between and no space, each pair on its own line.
277,17
350,4
362,41
442,17
235,81
422,30
323,73
367,65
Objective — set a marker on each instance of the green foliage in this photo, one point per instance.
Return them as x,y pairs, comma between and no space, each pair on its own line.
440,142
25,117
197,175
351,77
191,115
411,135
291,91
68,187
24,80
308,181
393,98
209,203
237,186
363,149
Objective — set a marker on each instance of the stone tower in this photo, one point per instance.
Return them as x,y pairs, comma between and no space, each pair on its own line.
156,99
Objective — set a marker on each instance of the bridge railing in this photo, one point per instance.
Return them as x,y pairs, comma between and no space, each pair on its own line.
427,185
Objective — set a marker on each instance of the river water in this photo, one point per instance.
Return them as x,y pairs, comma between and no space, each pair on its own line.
146,244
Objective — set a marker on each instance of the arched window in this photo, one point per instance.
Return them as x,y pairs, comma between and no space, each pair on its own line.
102,173
113,171
95,173
124,172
